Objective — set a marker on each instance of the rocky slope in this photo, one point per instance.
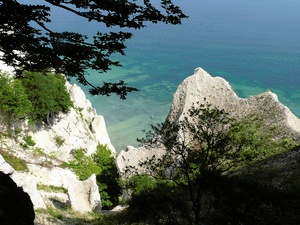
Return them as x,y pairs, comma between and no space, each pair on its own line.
82,128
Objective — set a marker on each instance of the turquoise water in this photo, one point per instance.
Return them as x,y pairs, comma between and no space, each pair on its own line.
253,44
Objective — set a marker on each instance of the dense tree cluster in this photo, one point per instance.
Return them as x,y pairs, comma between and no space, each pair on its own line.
14,102
27,42
204,171
47,94
36,97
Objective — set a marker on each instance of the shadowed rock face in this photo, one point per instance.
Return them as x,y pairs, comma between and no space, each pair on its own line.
16,207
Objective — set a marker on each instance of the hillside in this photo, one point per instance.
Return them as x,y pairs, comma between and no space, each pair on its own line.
37,156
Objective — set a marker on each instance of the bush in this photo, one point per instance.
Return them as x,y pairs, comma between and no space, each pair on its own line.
47,94
36,96
59,140
103,164
83,165
109,178
14,102
28,142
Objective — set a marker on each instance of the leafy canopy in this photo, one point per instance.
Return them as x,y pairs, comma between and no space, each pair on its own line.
14,102
37,97
27,42
201,147
47,94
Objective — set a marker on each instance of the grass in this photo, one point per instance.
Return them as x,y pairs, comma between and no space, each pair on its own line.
15,162
59,140
51,188
68,216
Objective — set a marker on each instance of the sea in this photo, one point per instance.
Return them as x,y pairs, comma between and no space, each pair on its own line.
253,44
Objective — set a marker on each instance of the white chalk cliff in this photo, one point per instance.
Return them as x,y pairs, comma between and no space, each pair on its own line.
80,128
203,88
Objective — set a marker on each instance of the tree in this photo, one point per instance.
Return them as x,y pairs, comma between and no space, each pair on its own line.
27,42
14,102
47,94
109,179
103,164
200,149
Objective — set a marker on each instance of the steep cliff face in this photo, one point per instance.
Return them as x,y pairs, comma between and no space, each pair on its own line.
80,128
203,88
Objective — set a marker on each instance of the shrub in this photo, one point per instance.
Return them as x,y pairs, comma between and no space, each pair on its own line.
59,140
83,165
28,141
14,102
47,93
102,163
109,178
51,188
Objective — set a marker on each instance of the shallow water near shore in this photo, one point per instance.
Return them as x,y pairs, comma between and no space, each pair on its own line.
253,45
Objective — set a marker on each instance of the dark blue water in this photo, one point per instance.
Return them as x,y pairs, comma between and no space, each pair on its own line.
254,44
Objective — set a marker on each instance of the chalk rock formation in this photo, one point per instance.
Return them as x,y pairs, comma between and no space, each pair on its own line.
133,156
202,87
83,196
79,128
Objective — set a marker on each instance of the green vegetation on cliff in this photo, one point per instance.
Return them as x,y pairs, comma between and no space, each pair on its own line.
103,164
35,96
47,94
211,173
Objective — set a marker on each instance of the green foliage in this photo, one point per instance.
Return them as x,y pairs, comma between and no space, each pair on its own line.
37,96
202,147
103,164
56,213
51,188
17,163
14,103
47,94
108,178
38,152
83,165
59,140
139,183
259,141
28,142
73,53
